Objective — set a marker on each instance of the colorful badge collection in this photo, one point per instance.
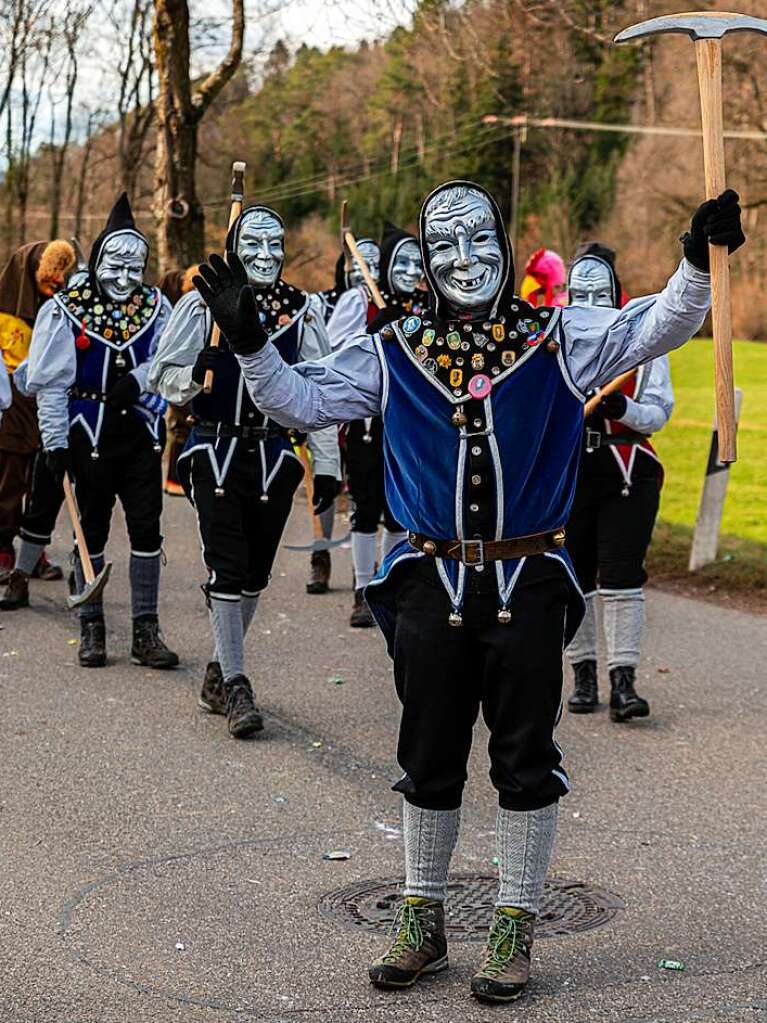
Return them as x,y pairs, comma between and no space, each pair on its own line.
116,322
466,358
279,305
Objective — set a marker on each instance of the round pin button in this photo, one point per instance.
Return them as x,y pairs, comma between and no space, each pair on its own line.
480,386
476,450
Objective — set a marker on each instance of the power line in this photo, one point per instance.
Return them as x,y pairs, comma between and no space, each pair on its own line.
523,121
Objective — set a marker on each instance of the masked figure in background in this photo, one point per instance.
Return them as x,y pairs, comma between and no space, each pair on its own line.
615,505
482,406
545,280
239,469
33,274
174,285
88,367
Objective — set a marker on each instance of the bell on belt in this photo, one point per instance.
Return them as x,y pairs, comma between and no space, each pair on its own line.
459,417
504,616
455,619
558,538
157,447
429,548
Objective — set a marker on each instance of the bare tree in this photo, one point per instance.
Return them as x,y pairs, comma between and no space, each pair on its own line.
135,99
180,109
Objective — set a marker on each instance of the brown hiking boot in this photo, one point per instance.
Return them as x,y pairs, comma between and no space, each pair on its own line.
213,695
362,617
16,593
506,968
242,713
319,576
419,945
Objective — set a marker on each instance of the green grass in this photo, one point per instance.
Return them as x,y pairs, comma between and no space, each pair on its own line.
683,444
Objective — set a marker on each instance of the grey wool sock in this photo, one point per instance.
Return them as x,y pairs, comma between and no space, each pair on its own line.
363,558
226,622
584,643
430,837
623,614
144,571
28,556
248,605
94,608
525,842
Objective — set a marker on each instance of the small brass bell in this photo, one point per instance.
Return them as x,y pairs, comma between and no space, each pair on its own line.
455,619
157,448
94,454
625,491
219,491
366,438
119,361
504,616
429,548
552,346
558,539
264,499
459,417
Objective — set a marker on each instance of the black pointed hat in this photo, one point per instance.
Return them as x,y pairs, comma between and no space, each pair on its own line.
119,221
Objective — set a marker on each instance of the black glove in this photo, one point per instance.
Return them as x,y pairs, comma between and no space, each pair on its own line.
325,491
224,289
613,406
124,393
208,358
716,221
58,462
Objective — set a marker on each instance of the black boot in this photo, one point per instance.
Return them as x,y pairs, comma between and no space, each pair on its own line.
93,643
585,698
361,617
243,715
148,646
213,695
624,701
319,577
16,593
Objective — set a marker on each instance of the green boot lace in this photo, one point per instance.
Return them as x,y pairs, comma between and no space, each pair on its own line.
408,928
506,938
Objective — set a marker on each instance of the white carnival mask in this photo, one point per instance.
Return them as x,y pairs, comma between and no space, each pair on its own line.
591,283
261,247
406,268
463,247
372,256
121,265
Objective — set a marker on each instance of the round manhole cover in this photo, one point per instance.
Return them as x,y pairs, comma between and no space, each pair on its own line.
568,906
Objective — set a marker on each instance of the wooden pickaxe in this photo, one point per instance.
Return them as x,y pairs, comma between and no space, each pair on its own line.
237,197
350,249
706,29
94,584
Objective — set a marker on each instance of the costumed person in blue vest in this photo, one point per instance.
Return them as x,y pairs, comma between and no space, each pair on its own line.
88,367
482,406
239,468
615,506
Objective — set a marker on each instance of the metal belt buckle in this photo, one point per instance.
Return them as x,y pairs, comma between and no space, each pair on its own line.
593,440
473,552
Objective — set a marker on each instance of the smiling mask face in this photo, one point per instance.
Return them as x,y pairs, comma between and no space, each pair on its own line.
121,266
372,256
261,247
463,248
407,267
591,283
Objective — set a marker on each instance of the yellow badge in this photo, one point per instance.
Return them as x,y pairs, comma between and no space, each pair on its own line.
499,332
444,360
456,377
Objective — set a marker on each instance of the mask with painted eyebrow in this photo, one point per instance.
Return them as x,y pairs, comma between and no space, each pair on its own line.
121,266
591,284
261,247
372,256
406,268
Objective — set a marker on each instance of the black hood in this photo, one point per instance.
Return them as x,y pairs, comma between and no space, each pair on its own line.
603,254
120,221
505,295
233,235
391,240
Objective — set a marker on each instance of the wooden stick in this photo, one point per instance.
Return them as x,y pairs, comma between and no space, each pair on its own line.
614,385
74,514
350,246
238,194
709,55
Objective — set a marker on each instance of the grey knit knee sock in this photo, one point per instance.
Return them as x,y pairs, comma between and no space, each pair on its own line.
430,837
28,556
584,643
226,622
94,608
525,841
248,605
363,558
623,614
327,519
144,570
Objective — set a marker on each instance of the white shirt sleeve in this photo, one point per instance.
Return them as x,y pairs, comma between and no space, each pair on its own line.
600,344
652,408
188,329
349,318
51,372
345,386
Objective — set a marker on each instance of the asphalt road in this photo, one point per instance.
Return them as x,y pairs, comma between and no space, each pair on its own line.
155,870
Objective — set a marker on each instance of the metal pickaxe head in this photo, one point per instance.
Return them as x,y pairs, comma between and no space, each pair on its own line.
695,24
92,590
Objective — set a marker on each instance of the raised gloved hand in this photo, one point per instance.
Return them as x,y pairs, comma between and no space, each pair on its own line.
58,462
224,289
325,492
124,393
208,358
613,406
716,221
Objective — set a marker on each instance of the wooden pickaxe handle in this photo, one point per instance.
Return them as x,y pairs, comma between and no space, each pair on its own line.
238,196
709,55
610,388
74,515
375,294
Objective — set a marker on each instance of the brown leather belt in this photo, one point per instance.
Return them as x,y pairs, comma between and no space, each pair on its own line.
477,552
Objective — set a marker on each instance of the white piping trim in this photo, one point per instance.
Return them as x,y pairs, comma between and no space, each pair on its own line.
375,581
285,453
37,536
506,589
497,466
209,448
146,554
460,480
455,595
232,597
384,371
558,557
